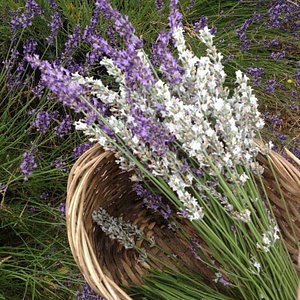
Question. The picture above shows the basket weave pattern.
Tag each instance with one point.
(96, 181)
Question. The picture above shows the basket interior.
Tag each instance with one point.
(96, 181)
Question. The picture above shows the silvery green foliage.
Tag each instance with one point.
(210, 124)
(117, 229)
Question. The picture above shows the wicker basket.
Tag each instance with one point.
(95, 180)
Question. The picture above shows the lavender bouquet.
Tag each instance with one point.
(171, 121)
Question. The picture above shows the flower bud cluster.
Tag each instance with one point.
(195, 119)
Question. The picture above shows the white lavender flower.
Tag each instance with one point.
(243, 178)
(269, 238)
(244, 216)
(256, 265)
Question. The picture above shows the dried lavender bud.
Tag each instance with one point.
(117, 229)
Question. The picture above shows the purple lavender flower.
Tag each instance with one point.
(101, 46)
(111, 33)
(191, 5)
(220, 279)
(213, 30)
(62, 209)
(127, 60)
(281, 13)
(296, 151)
(60, 82)
(175, 16)
(274, 119)
(241, 31)
(60, 164)
(90, 30)
(79, 150)
(294, 106)
(295, 94)
(28, 164)
(256, 74)
(38, 90)
(159, 4)
(18, 65)
(194, 247)
(203, 21)
(24, 19)
(152, 201)
(270, 86)
(224, 282)
(53, 4)
(297, 75)
(184, 213)
(29, 47)
(275, 43)
(14, 55)
(87, 294)
(278, 55)
(163, 55)
(151, 132)
(197, 172)
(72, 43)
(121, 25)
(281, 136)
(54, 27)
(64, 127)
(42, 121)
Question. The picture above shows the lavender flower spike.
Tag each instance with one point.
(28, 164)
(60, 82)
(175, 17)
(55, 25)
(162, 54)
(42, 121)
(121, 25)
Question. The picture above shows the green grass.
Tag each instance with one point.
(35, 259)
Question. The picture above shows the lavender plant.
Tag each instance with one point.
(163, 121)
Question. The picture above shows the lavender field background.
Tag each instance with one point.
(37, 137)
